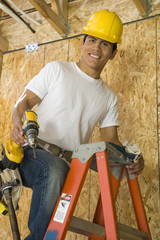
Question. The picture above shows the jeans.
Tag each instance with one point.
(45, 175)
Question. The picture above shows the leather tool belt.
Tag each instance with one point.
(60, 152)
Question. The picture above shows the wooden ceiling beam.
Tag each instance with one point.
(62, 6)
(59, 22)
(8, 9)
(143, 7)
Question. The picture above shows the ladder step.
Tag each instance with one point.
(87, 228)
(130, 233)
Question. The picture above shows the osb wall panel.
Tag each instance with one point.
(132, 76)
(1, 57)
(17, 69)
(158, 74)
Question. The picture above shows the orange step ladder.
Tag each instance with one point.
(104, 225)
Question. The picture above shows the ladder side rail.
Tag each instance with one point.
(108, 206)
(138, 205)
(116, 183)
(73, 186)
(98, 216)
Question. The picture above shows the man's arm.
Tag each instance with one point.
(26, 102)
(110, 134)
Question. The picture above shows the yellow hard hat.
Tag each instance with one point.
(105, 25)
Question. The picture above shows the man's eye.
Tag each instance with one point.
(92, 40)
(105, 44)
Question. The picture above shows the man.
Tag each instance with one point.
(71, 98)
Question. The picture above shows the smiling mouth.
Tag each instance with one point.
(94, 56)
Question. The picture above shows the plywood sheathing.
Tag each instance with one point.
(1, 57)
(132, 76)
(134, 81)
(18, 68)
(158, 78)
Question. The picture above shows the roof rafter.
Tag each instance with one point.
(59, 22)
(143, 7)
(62, 6)
(8, 9)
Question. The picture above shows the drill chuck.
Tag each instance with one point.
(31, 129)
(32, 139)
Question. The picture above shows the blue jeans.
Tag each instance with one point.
(45, 175)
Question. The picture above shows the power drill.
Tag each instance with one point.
(12, 154)
(31, 129)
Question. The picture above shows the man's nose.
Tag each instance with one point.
(97, 46)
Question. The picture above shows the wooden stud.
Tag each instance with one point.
(142, 6)
(62, 6)
(58, 23)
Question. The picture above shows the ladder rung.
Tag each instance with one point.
(87, 228)
(130, 233)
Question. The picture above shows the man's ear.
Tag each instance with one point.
(114, 54)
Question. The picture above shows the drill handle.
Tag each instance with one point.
(12, 155)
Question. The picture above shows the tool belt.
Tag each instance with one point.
(7, 177)
(60, 152)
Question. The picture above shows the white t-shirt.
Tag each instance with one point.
(72, 103)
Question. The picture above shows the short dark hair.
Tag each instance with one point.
(114, 47)
(84, 38)
(114, 44)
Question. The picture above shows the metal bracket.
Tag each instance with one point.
(85, 151)
(31, 47)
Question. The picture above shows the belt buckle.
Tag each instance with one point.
(62, 152)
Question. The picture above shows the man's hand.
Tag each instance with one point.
(137, 167)
(17, 134)
(26, 102)
(109, 134)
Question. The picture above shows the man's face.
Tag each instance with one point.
(96, 52)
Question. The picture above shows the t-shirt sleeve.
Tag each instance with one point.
(41, 82)
(111, 117)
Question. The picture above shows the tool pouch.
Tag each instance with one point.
(129, 150)
(132, 149)
(7, 177)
